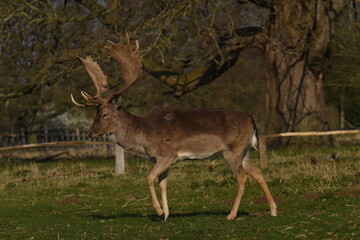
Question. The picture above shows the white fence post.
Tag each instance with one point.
(77, 133)
(119, 160)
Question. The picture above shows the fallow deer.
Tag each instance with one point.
(170, 134)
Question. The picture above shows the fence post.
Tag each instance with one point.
(262, 149)
(119, 160)
(45, 138)
(22, 132)
(77, 133)
(46, 134)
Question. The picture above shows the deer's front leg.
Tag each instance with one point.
(155, 201)
(162, 184)
(160, 167)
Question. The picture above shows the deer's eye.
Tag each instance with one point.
(104, 116)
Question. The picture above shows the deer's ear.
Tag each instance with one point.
(115, 101)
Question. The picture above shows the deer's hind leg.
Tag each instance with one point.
(234, 161)
(255, 173)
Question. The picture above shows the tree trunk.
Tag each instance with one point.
(298, 36)
(295, 98)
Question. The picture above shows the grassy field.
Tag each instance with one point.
(317, 197)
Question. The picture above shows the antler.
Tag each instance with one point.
(129, 62)
(99, 79)
(96, 74)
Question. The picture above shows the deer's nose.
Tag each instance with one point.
(91, 133)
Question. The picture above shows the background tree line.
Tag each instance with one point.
(281, 61)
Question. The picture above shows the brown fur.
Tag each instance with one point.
(166, 135)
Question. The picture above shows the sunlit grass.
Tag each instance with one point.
(318, 198)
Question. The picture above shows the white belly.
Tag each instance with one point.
(190, 155)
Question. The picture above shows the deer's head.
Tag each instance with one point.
(107, 103)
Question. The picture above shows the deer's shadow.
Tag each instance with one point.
(156, 218)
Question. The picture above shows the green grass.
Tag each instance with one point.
(314, 201)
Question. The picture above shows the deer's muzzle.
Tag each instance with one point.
(91, 133)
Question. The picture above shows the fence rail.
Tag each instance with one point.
(22, 136)
(58, 138)
(53, 144)
(119, 151)
(82, 139)
(262, 140)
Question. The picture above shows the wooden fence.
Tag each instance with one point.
(262, 140)
(22, 136)
(45, 138)
(119, 151)
(78, 139)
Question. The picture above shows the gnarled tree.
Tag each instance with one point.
(294, 37)
(187, 45)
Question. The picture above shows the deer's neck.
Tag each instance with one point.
(127, 131)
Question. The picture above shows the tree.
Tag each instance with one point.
(186, 44)
(47, 36)
(294, 37)
(299, 33)
(38, 51)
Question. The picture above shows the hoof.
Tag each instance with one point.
(231, 217)
(159, 212)
(164, 217)
(273, 214)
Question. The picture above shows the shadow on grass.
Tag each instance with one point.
(156, 218)
(100, 216)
